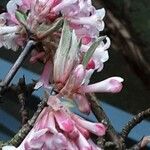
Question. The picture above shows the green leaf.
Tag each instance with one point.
(21, 17)
(63, 48)
(73, 51)
(91, 50)
(65, 41)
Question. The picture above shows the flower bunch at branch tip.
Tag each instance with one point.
(71, 47)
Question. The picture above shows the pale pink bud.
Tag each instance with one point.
(112, 85)
(96, 128)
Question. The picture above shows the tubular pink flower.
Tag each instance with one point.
(97, 128)
(94, 20)
(112, 85)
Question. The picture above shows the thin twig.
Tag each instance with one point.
(21, 92)
(17, 65)
(132, 123)
(23, 109)
(111, 134)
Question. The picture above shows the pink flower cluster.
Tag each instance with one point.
(71, 77)
(83, 17)
(68, 67)
(76, 87)
(58, 128)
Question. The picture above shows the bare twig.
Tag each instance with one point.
(16, 65)
(132, 123)
(21, 92)
(114, 140)
(23, 109)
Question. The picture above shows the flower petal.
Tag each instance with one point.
(96, 128)
(45, 77)
(112, 85)
(64, 121)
